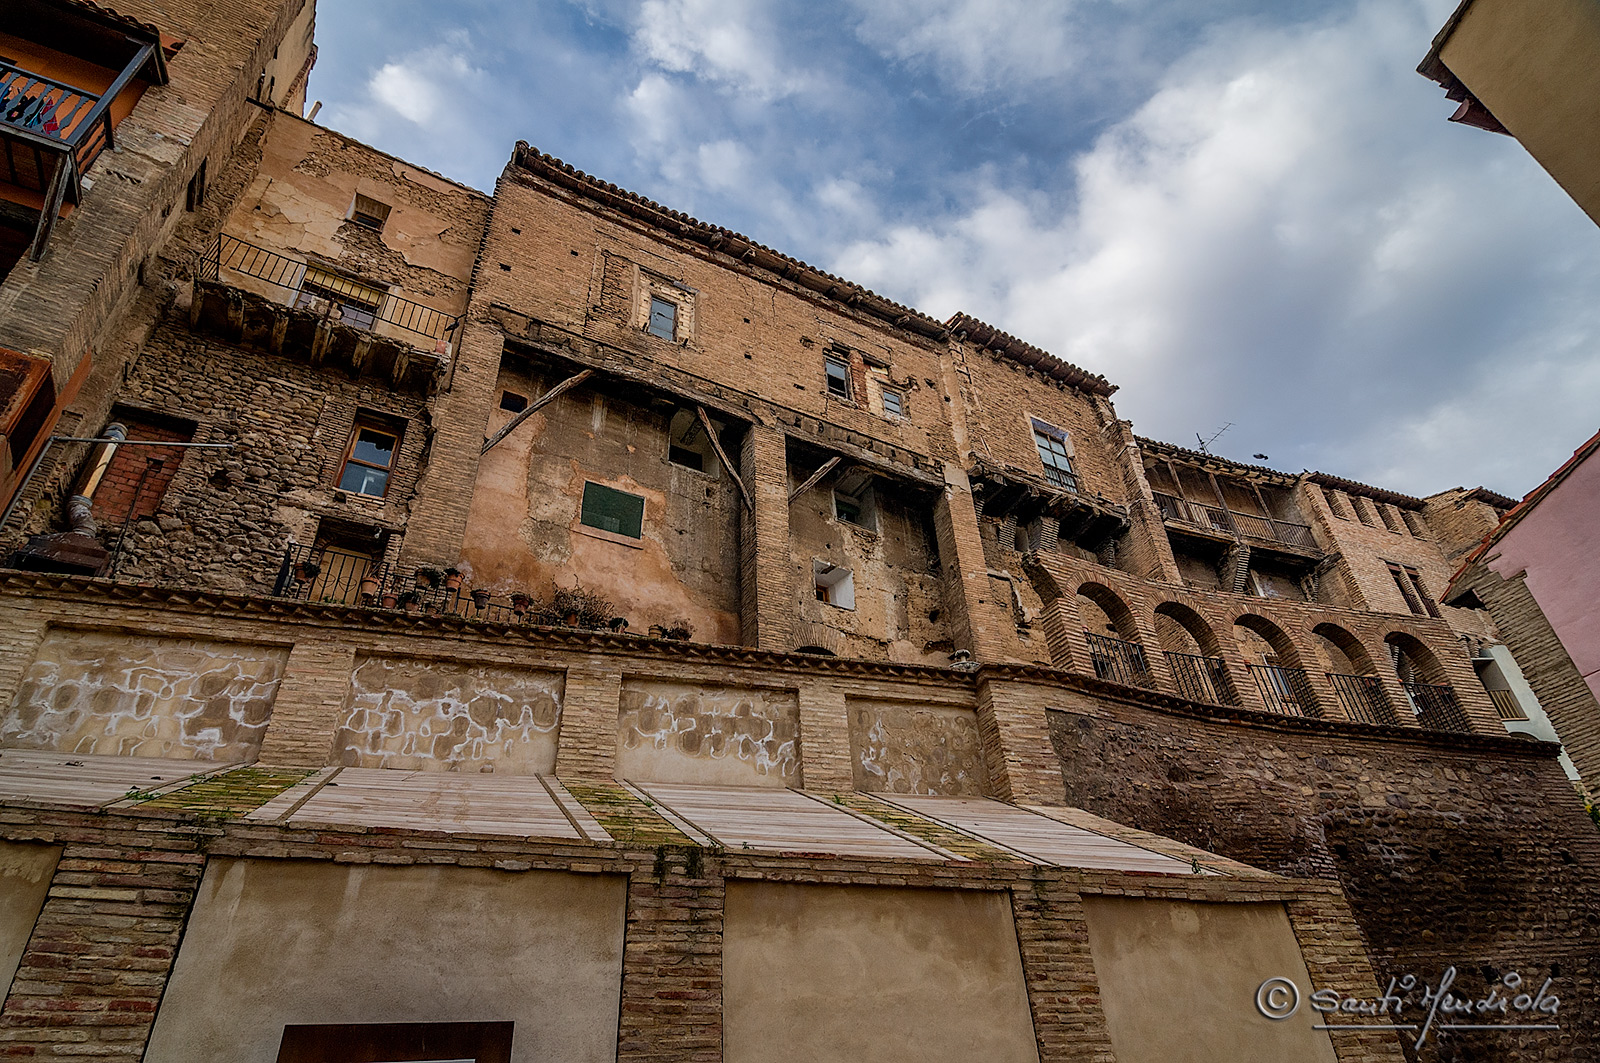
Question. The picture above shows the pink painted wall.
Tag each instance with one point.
(1558, 544)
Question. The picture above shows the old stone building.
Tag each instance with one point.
(544, 625)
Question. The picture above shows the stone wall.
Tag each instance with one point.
(916, 749)
(679, 732)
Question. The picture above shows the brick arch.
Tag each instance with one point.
(1198, 680)
(1358, 660)
(1198, 628)
(1416, 658)
(1287, 692)
(1093, 598)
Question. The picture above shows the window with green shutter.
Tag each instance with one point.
(612, 511)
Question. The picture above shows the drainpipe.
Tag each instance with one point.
(79, 515)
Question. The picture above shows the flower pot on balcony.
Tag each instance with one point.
(520, 603)
(480, 600)
(411, 602)
(389, 600)
(428, 578)
(369, 586)
(452, 580)
(619, 625)
(306, 571)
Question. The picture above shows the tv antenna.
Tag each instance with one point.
(1205, 444)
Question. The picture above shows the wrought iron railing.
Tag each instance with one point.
(1233, 522)
(328, 574)
(1201, 678)
(1119, 660)
(1285, 690)
(242, 257)
(54, 111)
(1437, 707)
(1362, 698)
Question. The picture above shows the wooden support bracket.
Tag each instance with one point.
(536, 405)
(716, 444)
(812, 480)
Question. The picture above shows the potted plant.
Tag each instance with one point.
(428, 578)
(306, 571)
(452, 579)
(521, 602)
(390, 599)
(480, 599)
(369, 586)
(619, 625)
(411, 601)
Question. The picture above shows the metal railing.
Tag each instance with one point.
(341, 577)
(1234, 523)
(1119, 660)
(53, 110)
(1201, 678)
(240, 256)
(1437, 708)
(1362, 698)
(1285, 690)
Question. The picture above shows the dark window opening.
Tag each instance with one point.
(368, 460)
(399, 1042)
(369, 213)
(838, 371)
(663, 318)
(894, 403)
(195, 197)
(510, 400)
(689, 459)
(687, 442)
(610, 510)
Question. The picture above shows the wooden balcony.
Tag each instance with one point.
(1218, 521)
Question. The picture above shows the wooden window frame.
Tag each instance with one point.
(369, 424)
(650, 317)
(362, 212)
(1048, 440)
(842, 361)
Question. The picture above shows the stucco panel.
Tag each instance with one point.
(730, 736)
(916, 749)
(129, 695)
(273, 943)
(25, 872)
(859, 972)
(445, 716)
(1178, 981)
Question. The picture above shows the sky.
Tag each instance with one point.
(1246, 213)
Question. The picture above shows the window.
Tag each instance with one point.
(1409, 583)
(894, 400)
(195, 197)
(369, 213)
(439, 1042)
(687, 442)
(512, 402)
(358, 303)
(834, 584)
(612, 511)
(663, 318)
(1052, 444)
(853, 501)
(369, 459)
(1422, 592)
(838, 371)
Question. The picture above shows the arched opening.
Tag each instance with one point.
(1426, 683)
(1194, 655)
(1274, 663)
(1352, 675)
(1113, 637)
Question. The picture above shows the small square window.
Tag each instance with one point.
(663, 318)
(1053, 455)
(510, 400)
(834, 584)
(369, 213)
(610, 510)
(894, 403)
(368, 460)
(838, 371)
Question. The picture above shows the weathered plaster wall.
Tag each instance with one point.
(524, 531)
(891, 975)
(1176, 981)
(125, 695)
(916, 749)
(25, 871)
(683, 732)
(325, 943)
(446, 716)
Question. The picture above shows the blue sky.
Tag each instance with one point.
(1246, 211)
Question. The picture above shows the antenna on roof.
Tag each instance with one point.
(1205, 444)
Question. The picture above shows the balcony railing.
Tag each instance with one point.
(1437, 708)
(1362, 698)
(1119, 660)
(1285, 690)
(1234, 523)
(1201, 678)
(281, 271)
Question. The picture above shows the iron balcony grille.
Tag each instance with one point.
(1201, 678)
(1362, 698)
(53, 111)
(281, 271)
(1245, 524)
(1437, 708)
(1285, 690)
(1067, 481)
(1119, 661)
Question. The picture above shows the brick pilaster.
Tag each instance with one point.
(1017, 752)
(1336, 958)
(977, 622)
(1063, 992)
(672, 964)
(826, 762)
(766, 584)
(102, 950)
(587, 748)
(311, 697)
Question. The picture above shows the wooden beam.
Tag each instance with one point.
(811, 481)
(716, 444)
(535, 406)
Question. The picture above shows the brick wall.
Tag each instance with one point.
(133, 486)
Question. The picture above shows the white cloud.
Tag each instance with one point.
(429, 87)
(734, 42)
(1288, 235)
(977, 44)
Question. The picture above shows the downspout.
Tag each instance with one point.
(80, 518)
